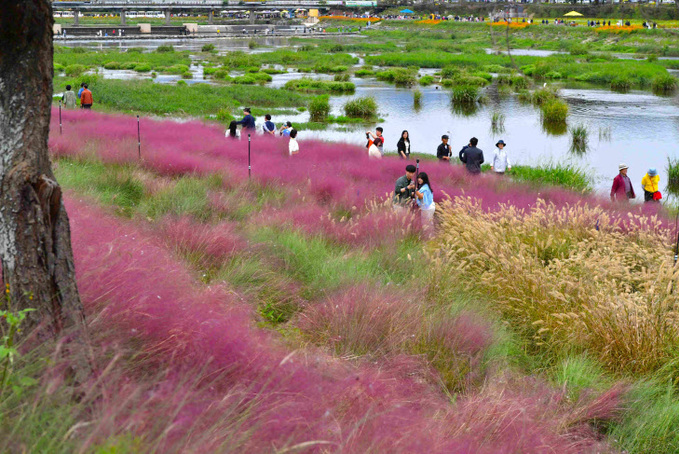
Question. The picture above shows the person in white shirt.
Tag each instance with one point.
(374, 150)
(293, 146)
(500, 163)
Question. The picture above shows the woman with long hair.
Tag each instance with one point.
(424, 196)
(403, 145)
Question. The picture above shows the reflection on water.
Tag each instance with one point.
(193, 44)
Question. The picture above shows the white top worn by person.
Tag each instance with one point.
(293, 146)
(374, 150)
(500, 162)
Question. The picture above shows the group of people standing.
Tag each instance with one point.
(248, 125)
(622, 189)
(70, 99)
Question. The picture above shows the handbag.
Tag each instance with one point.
(657, 195)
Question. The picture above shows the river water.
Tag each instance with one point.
(637, 128)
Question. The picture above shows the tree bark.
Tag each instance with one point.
(35, 238)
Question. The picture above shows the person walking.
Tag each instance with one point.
(472, 156)
(248, 121)
(424, 196)
(269, 127)
(86, 100)
(443, 152)
(403, 145)
(80, 90)
(293, 146)
(622, 190)
(374, 149)
(650, 184)
(69, 99)
(500, 163)
(405, 188)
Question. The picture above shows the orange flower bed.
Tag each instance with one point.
(511, 24)
(356, 19)
(429, 21)
(618, 29)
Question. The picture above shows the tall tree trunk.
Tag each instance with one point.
(35, 238)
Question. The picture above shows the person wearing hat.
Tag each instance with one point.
(622, 189)
(650, 184)
(405, 188)
(443, 152)
(248, 121)
(500, 162)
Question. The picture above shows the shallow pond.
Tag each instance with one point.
(637, 128)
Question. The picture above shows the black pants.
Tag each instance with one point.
(87, 106)
(648, 196)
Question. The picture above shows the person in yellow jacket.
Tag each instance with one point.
(650, 184)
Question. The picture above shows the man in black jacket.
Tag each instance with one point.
(443, 152)
(472, 157)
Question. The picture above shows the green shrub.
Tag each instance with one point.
(252, 78)
(341, 78)
(542, 96)
(75, 70)
(252, 69)
(112, 65)
(221, 74)
(165, 49)
(426, 80)
(130, 65)
(621, 83)
(504, 79)
(498, 69)
(181, 83)
(552, 75)
(554, 111)
(361, 108)
(465, 94)
(652, 58)
(450, 72)
(319, 108)
(673, 176)
(208, 48)
(58, 68)
(364, 73)
(519, 82)
(417, 98)
(306, 85)
(398, 76)
(223, 115)
(664, 83)
(142, 68)
(578, 49)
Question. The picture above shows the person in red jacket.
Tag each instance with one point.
(86, 98)
(622, 189)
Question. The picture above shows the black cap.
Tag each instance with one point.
(411, 168)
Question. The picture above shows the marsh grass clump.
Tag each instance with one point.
(365, 107)
(208, 47)
(554, 111)
(605, 133)
(497, 123)
(664, 83)
(164, 49)
(543, 95)
(465, 94)
(404, 77)
(579, 139)
(673, 176)
(621, 83)
(319, 108)
(426, 80)
(417, 98)
(307, 85)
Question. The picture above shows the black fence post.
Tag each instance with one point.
(61, 129)
(138, 138)
(249, 162)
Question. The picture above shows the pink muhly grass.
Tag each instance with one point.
(363, 321)
(208, 245)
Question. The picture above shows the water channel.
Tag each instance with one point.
(637, 128)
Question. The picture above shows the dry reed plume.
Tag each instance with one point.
(573, 277)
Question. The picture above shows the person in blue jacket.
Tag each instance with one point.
(248, 121)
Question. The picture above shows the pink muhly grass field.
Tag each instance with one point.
(210, 380)
(331, 174)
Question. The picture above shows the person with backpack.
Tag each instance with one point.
(269, 127)
(472, 157)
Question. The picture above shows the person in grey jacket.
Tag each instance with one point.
(472, 156)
